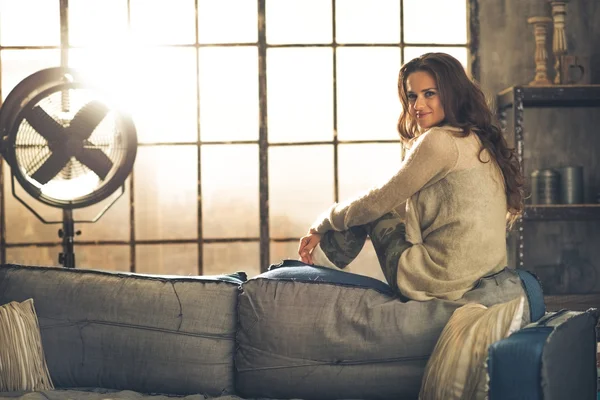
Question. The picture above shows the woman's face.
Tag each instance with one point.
(425, 104)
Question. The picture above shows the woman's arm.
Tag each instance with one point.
(431, 158)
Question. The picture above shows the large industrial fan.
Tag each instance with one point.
(66, 145)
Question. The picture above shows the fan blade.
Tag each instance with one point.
(52, 166)
(45, 125)
(87, 119)
(37, 160)
(96, 160)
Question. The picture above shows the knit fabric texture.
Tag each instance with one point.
(454, 202)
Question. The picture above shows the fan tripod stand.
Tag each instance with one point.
(54, 127)
(67, 234)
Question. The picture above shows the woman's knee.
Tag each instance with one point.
(341, 248)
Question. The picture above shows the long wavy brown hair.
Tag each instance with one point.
(465, 107)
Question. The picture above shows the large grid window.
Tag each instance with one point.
(252, 118)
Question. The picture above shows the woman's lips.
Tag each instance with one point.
(422, 115)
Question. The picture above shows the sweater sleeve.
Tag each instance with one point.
(433, 155)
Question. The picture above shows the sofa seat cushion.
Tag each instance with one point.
(152, 334)
(312, 332)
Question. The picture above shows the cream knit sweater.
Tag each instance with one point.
(454, 207)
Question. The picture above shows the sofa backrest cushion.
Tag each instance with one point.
(138, 332)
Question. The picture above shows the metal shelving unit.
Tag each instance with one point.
(562, 212)
(550, 96)
(515, 100)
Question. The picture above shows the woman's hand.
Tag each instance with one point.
(307, 245)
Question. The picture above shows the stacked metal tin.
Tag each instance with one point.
(557, 186)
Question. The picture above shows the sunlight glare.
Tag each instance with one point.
(29, 23)
(19, 64)
(163, 21)
(156, 86)
(72, 188)
(298, 21)
(97, 22)
(227, 21)
(435, 21)
(97, 68)
(229, 93)
(368, 105)
(300, 94)
(382, 18)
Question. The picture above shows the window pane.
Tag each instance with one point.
(446, 21)
(300, 94)
(460, 53)
(104, 258)
(19, 64)
(300, 187)
(362, 166)
(230, 191)
(379, 21)
(367, 90)
(22, 226)
(89, 19)
(167, 259)
(218, 23)
(227, 258)
(298, 21)
(165, 96)
(113, 225)
(283, 250)
(157, 85)
(229, 87)
(29, 23)
(163, 21)
(166, 192)
(33, 256)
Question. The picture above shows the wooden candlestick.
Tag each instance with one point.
(541, 55)
(559, 37)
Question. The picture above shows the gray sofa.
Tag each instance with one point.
(293, 332)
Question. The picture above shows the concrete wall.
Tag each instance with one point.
(507, 44)
(553, 137)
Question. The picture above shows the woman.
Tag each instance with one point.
(439, 223)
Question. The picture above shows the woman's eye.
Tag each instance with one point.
(429, 94)
(411, 97)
